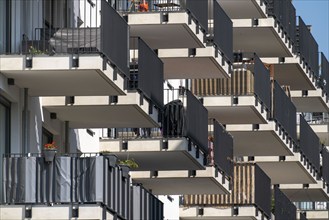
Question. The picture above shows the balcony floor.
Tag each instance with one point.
(97, 112)
(246, 112)
(264, 39)
(150, 154)
(207, 181)
(55, 76)
(265, 141)
(176, 33)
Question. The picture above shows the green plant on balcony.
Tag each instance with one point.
(129, 162)
(35, 51)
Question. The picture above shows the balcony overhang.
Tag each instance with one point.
(209, 181)
(98, 112)
(199, 64)
(317, 192)
(178, 32)
(292, 72)
(316, 214)
(248, 110)
(266, 39)
(265, 140)
(158, 153)
(237, 9)
(314, 101)
(55, 76)
(290, 170)
(322, 131)
(221, 213)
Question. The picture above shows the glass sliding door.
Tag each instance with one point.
(5, 32)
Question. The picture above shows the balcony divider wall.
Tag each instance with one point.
(251, 187)
(325, 165)
(324, 73)
(283, 207)
(309, 144)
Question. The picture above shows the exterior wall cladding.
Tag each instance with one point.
(157, 109)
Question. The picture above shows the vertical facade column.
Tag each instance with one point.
(67, 137)
(25, 121)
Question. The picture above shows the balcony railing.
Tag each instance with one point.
(312, 206)
(73, 179)
(285, 14)
(325, 165)
(146, 72)
(69, 27)
(252, 187)
(250, 77)
(197, 8)
(284, 111)
(324, 77)
(222, 148)
(307, 47)
(302, 216)
(309, 144)
(284, 208)
(223, 32)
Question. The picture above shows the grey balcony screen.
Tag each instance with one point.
(115, 37)
(262, 82)
(309, 144)
(150, 73)
(302, 216)
(284, 111)
(325, 165)
(262, 190)
(223, 32)
(199, 11)
(284, 209)
(223, 149)
(325, 73)
(307, 47)
(285, 14)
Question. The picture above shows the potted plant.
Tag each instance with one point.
(50, 151)
(126, 165)
(112, 158)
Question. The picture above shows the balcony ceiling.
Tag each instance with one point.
(103, 116)
(237, 9)
(262, 40)
(310, 104)
(305, 194)
(163, 36)
(290, 172)
(258, 143)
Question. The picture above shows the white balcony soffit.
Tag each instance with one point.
(245, 112)
(315, 101)
(55, 76)
(150, 154)
(180, 182)
(221, 213)
(300, 193)
(266, 39)
(176, 33)
(97, 112)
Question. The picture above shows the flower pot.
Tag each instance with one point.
(113, 159)
(49, 155)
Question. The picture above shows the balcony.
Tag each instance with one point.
(313, 210)
(72, 183)
(242, 99)
(283, 207)
(237, 9)
(251, 198)
(182, 144)
(59, 53)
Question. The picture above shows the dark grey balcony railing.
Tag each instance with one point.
(70, 27)
(324, 77)
(285, 14)
(197, 8)
(66, 180)
(146, 73)
(284, 208)
(307, 47)
(284, 111)
(186, 118)
(145, 205)
(251, 187)
(309, 144)
(223, 32)
(223, 149)
(325, 165)
(302, 216)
